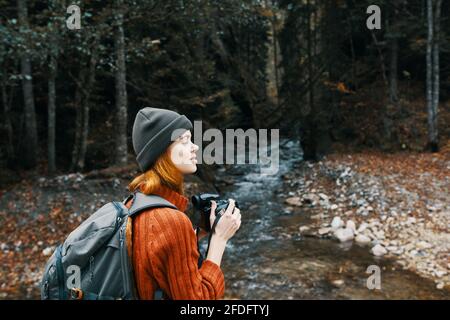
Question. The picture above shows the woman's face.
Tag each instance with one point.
(182, 153)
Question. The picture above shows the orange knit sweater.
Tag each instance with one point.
(165, 254)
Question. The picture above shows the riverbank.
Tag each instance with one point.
(396, 205)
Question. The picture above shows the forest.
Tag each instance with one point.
(358, 89)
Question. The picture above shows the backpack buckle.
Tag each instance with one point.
(76, 294)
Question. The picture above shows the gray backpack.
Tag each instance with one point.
(93, 261)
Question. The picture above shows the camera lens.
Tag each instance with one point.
(196, 201)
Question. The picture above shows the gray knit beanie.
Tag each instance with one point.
(153, 131)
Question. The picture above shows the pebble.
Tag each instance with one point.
(423, 245)
(311, 198)
(411, 220)
(47, 251)
(323, 196)
(338, 283)
(294, 201)
(351, 225)
(363, 226)
(323, 231)
(344, 235)
(378, 250)
(379, 234)
(303, 229)
(362, 211)
(360, 202)
(360, 238)
(440, 273)
(337, 223)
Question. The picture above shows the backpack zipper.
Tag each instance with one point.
(123, 261)
(123, 253)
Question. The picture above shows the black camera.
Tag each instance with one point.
(202, 203)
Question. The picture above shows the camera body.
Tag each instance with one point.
(202, 203)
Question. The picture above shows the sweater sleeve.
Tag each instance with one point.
(177, 261)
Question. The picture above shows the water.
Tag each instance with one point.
(268, 259)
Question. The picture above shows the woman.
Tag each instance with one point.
(163, 241)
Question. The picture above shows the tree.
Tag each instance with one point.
(53, 52)
(84, 83)
(393, 66)
(7, 102)
(432, 75)
(30, 154)
(53, 70)
(6, 64)
(121, 88)
(273, 56)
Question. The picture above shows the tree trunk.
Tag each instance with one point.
(381, 57)
(7, 120)
(85, 85)
(432, 129)
(434, 145)
(78, 119)
(309, 138)
(30, 152)
(393, 73)
(53, 72)
(212, 19)
(78, 122)
(86, 107)
(310, 60)
(53, 67)
(352, 51)
(272, 61)
(121, 90)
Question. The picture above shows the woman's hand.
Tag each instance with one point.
(227, 226)
(229, 223)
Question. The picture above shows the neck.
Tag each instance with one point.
(176, 184)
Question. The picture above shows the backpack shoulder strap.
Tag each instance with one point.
(142, 202)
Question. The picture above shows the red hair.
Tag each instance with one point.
(163, 172)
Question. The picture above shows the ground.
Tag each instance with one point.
(398, 201)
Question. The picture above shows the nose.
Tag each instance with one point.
(195, 147)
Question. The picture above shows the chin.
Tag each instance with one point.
(189, 169)
(193, 169)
